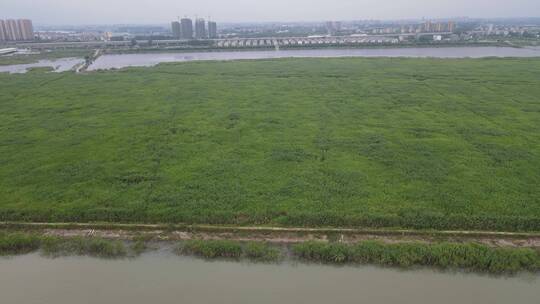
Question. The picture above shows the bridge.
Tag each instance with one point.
(274, 42)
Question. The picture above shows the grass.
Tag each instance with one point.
(348, 142)
(469, 256)
(46, 54)
(95, 247)
(466, 256)
(17, 243)
(211, 249)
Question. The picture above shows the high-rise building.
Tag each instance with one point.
(451, 26)
(16, 30)
(330, 29)
(200, 29)
(427, 26)
(12, 30)
(176, 30)
(212, 30)
(26, 29)
(186, 28)
(3, 35)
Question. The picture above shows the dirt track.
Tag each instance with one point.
(275, 234)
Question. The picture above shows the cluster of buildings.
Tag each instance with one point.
(306, 41)
(184, 29)
(16, 30)
(426, 27)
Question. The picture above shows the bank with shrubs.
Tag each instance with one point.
(442, 255)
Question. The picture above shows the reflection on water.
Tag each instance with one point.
(125, 60)
(165, 278)
(59, 65)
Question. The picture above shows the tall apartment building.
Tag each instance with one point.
(12, 30)
(176, 29)
(16, 30)
(428, 26)
(330, 28)
(451, 26)
(212, 30)
(186, 28)
(26, 28)
(3, 34)
(200, 29)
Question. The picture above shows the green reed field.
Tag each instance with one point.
(406, 143)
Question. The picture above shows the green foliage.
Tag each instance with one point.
(96, 247)
(17, 243)
(469, 256)
(211, 248)
(386, 142)
(259, 251)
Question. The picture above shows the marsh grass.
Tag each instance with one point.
(459, 256)
(467, 256)
(259, 251)
(95, 247)
(211, 249)
(18, 243)
(447, 144)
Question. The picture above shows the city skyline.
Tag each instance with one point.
(161, 11)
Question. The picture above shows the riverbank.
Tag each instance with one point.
(402, 254)
(17, 59)
(273, 234)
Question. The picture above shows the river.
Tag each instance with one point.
(160, 277)
(151, 59)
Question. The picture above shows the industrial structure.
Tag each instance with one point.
(16, 30)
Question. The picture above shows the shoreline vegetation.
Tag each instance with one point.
(407, 255)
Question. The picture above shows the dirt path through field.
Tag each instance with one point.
(274, 234)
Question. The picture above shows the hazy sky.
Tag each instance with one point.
(161, 11)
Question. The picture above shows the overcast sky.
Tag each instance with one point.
(161, 11)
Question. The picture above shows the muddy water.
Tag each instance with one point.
(165, 278)
(150, 59)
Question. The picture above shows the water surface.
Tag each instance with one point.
(165, 278)
(151, 59)
(59, 65)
